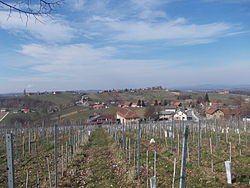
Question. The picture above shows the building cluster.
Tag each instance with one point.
(123, 115)
(227, 112)
(177, 110)
(175, 113)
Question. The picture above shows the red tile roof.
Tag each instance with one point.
(126, 113)
(212, 110)
(227, 111)
(98, 106)
(177, 104)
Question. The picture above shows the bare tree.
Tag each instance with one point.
(28, 8)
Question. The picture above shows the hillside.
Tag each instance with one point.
(147, 95)
(64, 104)
(58, 99)
(151, 95)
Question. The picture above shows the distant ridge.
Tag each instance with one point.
(213, 87)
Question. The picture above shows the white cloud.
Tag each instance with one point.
(84, 63)
(83, 66)
(50, 30)
(177, 31)
(149, 14)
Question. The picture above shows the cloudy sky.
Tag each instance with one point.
(105, 44)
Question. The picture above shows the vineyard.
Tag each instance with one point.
(155, 154)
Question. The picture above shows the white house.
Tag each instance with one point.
(180, 115)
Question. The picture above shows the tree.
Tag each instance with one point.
(150, 113)
(206, 98)
(28, 8)
(139, 103)
(142, 103)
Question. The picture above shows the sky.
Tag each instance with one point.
(106, 44)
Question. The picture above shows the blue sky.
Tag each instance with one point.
(105, 44)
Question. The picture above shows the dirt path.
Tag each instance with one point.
(99, 165)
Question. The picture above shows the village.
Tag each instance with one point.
(183, 107)
(135, 107)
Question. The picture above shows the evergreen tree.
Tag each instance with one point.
(142, 103)
(139, 103)
(206, 98)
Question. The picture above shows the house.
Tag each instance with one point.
(125, 115)
(102, 119)
(214, 113)
(25, 110)
(191, 115)
(227, 113)
(134, 105)
(168, 113)
(180, 115)
(165, 115)
(98, 106)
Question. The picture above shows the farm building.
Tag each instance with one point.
(166, 115)
(127, 116)
(102, 119)
(214, 113)
(223, 113)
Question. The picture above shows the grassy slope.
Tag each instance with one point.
(64, 98)
(134, 97)
(85, 114)
(161, 95)
(228, 99)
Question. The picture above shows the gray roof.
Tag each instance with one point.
(170, 107)
(166, 112)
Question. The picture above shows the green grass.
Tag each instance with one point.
(151, 95)
(58, 99)
(228, 99)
